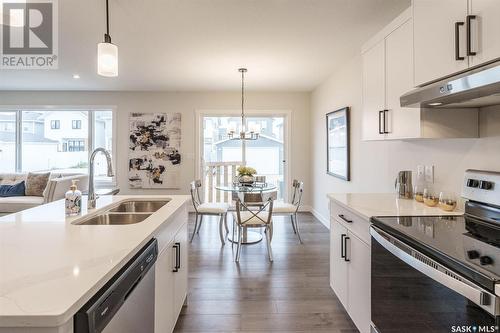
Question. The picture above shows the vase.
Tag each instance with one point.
(246, 180)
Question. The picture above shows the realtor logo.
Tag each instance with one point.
(29, 34)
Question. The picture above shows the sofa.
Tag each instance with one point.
(57, 185)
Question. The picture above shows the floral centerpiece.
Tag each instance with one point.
(246, 175)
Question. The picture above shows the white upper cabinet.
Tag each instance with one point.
(440, 38)
(454, 35)
(373, 92)
(485, 30)
(400, 123)
(388, 73)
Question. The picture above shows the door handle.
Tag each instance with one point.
(344, 218)
(178, 260)
(469, 35)
(345, 248)
(342, 252)
(385, 121)
(457, 41)
(379, 121)
(177, 249)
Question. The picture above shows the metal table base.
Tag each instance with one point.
(249, 237)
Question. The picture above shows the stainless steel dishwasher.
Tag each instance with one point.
(126, 303)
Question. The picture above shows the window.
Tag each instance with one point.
(8, 142)
(42, 148)
(55, 124)
(74, 145)
(76, 124)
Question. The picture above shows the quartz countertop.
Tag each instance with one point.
(386, 204)
(50, 267)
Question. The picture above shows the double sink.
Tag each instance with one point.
(126, 212)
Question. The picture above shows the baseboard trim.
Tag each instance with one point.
(321, 218)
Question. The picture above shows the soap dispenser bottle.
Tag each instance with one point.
(73, 200)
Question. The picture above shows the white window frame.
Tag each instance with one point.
(88, 108)
(287, 117)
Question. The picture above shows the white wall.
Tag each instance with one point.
(186, 103)
(374, 165)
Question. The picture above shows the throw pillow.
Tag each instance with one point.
(15, 190)
(36, 183)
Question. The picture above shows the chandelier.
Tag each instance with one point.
(243, 135)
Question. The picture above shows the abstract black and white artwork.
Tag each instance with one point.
(154, 150)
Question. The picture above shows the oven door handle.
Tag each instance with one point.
(434, 270)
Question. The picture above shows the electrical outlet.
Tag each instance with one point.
(429, 174)
(420, 173)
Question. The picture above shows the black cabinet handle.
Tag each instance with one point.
(177, 248)
(342, 252)
(345, 248)
(469, 35)
(385, 122)
(345, 218)
(379, 121)
(457, 41)
(178, 259)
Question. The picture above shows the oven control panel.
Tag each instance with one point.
(481, 254)
(482, 186)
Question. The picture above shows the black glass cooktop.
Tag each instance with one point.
(465, 244)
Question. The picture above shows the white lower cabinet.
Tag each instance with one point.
(350, 272)
(338, 266)
(358, 254)
(171, 281)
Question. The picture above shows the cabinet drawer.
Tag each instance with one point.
(353, 222)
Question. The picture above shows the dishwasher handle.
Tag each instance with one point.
(439, 273)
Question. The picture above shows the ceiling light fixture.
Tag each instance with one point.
(76, 76)
(243, 135)
(435, 104)
(107, 53)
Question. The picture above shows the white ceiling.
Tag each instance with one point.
(197, 45)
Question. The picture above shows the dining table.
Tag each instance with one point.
(248, 237)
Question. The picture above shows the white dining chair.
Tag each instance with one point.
(246, 218)
(291, 209)
(208, 209)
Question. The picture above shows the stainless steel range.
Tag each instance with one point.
(440, 273)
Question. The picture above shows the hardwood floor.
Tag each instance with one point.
(292, 294)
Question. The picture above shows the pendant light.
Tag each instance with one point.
(243, 135)
(107, 53)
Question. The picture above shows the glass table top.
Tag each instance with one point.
(246, 188)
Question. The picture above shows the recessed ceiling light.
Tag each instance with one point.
(435, 104)
(76, 76)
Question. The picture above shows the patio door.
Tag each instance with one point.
(220, 156)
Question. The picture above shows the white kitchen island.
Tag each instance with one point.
(50, 266)
(350, 242)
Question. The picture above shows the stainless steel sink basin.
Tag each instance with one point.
(114, 219)
(142, 206)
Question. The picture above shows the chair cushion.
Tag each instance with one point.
(283, 208)
(16, 204)
(15, 190)
(249, 219)
(213, 208)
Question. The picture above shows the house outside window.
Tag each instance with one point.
(76, 124)
(48, 141)
(55, 124)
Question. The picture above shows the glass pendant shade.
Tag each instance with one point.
(107, 59)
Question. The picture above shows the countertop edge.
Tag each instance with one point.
(57, 320)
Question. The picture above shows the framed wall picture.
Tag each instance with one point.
(337, 143)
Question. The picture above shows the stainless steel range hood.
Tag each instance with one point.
(475, 88)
